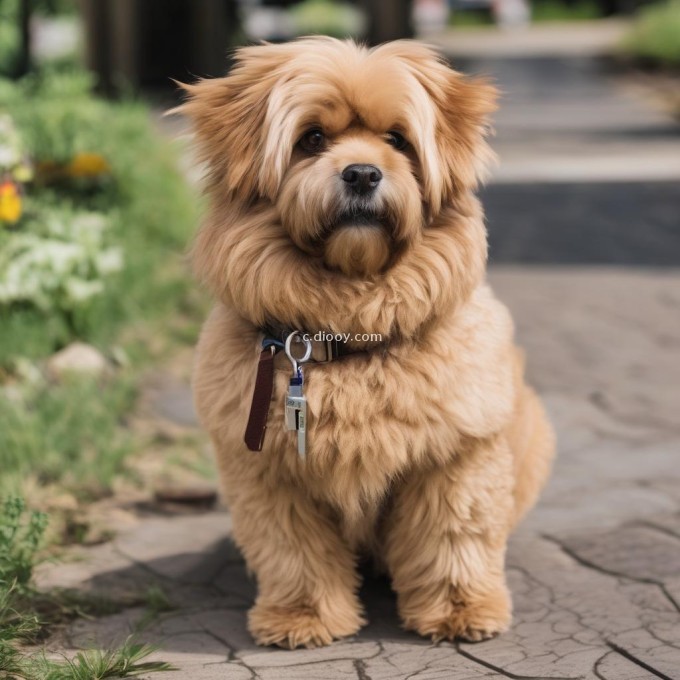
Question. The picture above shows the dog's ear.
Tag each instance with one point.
(454, 154)
(230, 121)
(463, 120)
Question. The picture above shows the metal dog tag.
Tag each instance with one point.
(296, 404)
(296, 412)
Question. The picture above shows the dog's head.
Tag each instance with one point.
(349, 154)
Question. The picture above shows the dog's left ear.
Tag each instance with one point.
(456, 157)
(463, 120)
(230, 117)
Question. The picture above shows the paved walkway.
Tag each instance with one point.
(566, 113)
(594, 570)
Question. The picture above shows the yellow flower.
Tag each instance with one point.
(87, 165)
(10, 202)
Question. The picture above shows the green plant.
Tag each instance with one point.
(125, 662)
(56, 114)
(56, 7)
(14, 628)
(21, 534)
(13, 161)
(9, 36)
(20, 540)
(149, 209)
(65, 434)
(559, 10)
(338, 19)
(58, 262)
(655, 35)
(470, 18)
(541, 11)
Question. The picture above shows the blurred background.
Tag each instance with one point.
(99, 197)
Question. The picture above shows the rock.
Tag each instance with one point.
(78, 357)
(199, 496)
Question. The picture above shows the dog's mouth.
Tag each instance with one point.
(359, 218)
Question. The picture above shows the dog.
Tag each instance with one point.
(342, 183)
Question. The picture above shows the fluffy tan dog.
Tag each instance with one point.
(341, 184)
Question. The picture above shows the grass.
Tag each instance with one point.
(14, 629)
(19, 543)
(655, 36)
(71, 435)
(23, 620)
(125, 662)
(67, 435)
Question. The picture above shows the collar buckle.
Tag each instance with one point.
(331, 347)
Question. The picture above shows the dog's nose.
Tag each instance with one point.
(361, 178)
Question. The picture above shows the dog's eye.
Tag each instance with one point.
(397, 140)
(313, 141)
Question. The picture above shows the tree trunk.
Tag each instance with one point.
(23, 63)
(388, 20)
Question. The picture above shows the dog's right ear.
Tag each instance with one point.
(230, 120)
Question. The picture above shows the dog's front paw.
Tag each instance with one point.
(300, 626)
(471, 618)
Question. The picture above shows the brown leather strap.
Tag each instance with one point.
(262, 396)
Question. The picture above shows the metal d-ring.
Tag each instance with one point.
(297, 362)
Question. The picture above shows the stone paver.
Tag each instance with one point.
(594, 571)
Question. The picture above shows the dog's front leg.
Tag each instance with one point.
(446, 538)
(306, 574)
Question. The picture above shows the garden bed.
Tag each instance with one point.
(94, 221)
(95, 295)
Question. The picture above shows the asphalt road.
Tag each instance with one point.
(577, 119)
(614, 223)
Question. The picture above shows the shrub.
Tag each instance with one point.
(107, 196)
(58, 262)
(655, 36)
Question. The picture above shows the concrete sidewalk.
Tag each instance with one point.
(566, 112)
(548, 39)
(594, 571)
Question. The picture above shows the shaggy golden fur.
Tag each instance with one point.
(423, 451)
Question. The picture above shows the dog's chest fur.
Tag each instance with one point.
(371, 419)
